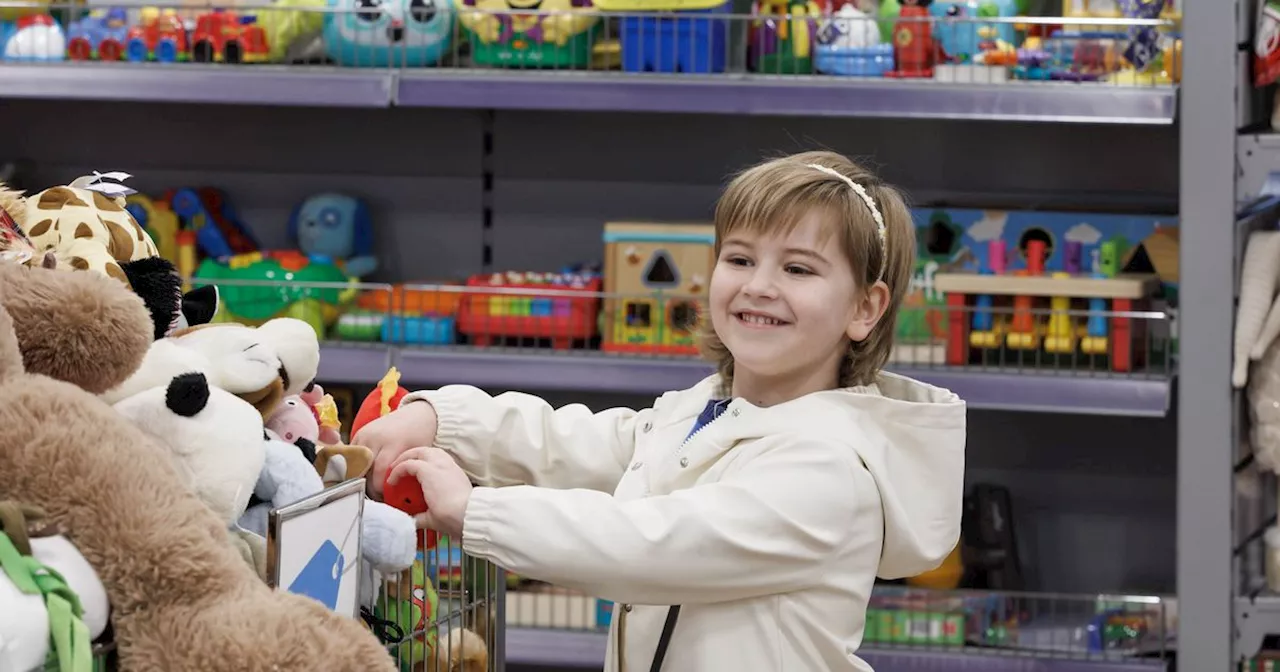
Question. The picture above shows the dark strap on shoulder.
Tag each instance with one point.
(665, 640)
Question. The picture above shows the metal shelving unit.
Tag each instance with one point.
(1208, 189)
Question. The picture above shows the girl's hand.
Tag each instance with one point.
(413, 424)
(445, 488)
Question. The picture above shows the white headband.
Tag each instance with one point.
(871, 205)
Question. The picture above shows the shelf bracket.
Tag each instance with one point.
(1255, 619)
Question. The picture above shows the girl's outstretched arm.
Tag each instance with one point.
(769, 527)
(516, 438)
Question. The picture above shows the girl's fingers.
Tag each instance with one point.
(414, 468)
(419, 453)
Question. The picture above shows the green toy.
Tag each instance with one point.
(415, 614)
(287, 286)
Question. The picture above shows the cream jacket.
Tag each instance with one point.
(769, 525)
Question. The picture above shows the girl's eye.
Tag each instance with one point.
(799, 270)
(737, 261)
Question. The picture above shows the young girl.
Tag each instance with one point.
(765, 500)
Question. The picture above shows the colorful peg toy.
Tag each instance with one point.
(406, 495)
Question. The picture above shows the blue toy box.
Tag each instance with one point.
(687, 41)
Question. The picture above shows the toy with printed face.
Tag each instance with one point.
(382, 33)
(500, 21)
(335, 228)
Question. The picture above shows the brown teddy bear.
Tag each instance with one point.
(181, 598)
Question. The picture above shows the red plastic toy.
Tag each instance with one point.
(407, 494)
(915, 52)
(223, 36)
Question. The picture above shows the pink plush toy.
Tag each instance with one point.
(311, 416)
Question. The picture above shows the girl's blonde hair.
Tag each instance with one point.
(771, 198)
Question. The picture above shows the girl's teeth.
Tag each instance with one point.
(758, 319)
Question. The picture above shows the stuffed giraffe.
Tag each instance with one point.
(86, 228)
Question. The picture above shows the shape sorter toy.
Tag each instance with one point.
(655, 276)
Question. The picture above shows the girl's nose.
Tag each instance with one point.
(761, 284)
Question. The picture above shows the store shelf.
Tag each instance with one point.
(203, 83)
(586, 650)
(786, 95)
(1064, 392)
(592, 91)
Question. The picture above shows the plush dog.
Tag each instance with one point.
(181, 598)
(214, 439)
(261, 365)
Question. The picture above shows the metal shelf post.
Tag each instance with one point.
(1205, 584)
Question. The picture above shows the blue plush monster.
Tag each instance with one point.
(385, 33)
(335, 228)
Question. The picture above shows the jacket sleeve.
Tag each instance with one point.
(769, 527)
(516, 439)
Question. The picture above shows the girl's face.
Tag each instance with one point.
(786, 308)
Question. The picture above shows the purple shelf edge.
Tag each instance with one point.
(807, 96)
(203, 83)
(1062, 393)
(532, 646)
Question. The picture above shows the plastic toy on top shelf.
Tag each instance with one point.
(523, 34)
(689, 36)
(848, 44)
(781, 39)
(100, 35)
(159, 36)
(225, 36)
(33, 38)
(655, 276)
(378, 34)
(915, 50)
(559, 307)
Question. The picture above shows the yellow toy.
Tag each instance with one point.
(655, 276)
(159, 221)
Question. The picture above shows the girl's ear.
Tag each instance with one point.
(868, 311)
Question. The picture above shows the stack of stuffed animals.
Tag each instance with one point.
(144, 446)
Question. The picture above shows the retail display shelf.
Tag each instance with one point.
(202, 83)
(786, 95)
(586, 650)
(600, 372)
(592, 91)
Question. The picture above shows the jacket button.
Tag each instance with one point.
(626, 607)
(636, 465)
(684, 461)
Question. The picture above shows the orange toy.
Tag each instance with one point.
(407, 494)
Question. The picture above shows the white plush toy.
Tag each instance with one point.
(258, 364)
(214, 437)
(24, 619)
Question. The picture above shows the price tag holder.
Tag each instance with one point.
(313, 546)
